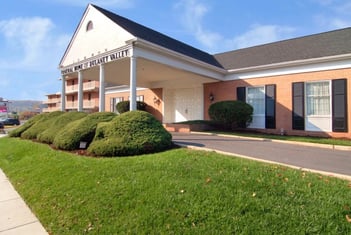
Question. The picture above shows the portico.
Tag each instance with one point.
(123, 57)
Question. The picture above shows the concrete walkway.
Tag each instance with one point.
(15, 216)
(324, 159)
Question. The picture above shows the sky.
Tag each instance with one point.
(34, 34)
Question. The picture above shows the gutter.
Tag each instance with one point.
(292, 63)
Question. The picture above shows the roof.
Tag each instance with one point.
(160, 39)
(326, 44)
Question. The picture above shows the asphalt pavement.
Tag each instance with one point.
(325, 159)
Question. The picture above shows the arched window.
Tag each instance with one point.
(89, 25)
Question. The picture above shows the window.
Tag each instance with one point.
(320, 105)
(140, 98)
(90, 26)
(312, 106)
(113, 102)
(318, 98)
(255, 96)
(263, 101)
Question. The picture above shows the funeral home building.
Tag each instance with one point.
(299, 86)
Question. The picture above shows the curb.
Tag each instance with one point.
(326, 146)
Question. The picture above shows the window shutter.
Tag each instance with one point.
(298, 120)
(270, 106)
(241, 94)
(339, 105)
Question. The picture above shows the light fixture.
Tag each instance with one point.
(157, 100)
(211, 97)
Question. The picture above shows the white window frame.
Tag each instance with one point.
(138, 98)
(318, 122)
(258, 119)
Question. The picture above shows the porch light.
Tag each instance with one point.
(157, 100)
(211, 97)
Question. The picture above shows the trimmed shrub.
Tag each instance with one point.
(231, 114)
(40, 125)
(48, 135)
(131, 133)
(30, 122)
(69, 137)
(123, 106)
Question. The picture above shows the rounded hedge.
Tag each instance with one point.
(48, 135)
(124, 106)
(82, 130)
(131, 133)
(40, 125)
(231, 113)
(30, 122)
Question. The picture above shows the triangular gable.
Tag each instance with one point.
(104, 35)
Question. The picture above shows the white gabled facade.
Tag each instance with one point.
(104, 36)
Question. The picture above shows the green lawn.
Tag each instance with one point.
(175, 192)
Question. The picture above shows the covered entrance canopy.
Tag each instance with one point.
(115, 50)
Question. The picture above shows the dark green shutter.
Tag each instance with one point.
(241, 94)
(298, 113)
(270, 106)
(339, 105)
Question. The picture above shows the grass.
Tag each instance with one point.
(175, 192)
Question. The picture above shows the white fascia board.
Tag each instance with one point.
(163, 55)
(119, 89)
(266, 71)
(95, 57)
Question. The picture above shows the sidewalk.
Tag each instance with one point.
(15, 216)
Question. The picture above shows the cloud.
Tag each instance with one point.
(261, 34)
(336, 14)
(30, 43)
(193, 13)
(103, 3)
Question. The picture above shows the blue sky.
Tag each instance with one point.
(35, 33)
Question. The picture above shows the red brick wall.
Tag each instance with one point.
(154, 105)
(227, 91)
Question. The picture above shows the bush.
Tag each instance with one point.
(18, 131)
(71, 135)
(123, 106)
(48, 135)
(231, 114)
(131, 133)
(40, 125)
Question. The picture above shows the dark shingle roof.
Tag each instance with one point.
(160, 39)
(331, 43)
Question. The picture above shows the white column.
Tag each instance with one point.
(102, 89)
(63, 94)
(132, 104)
(80, 91)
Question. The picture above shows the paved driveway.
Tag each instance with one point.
(337, 162)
